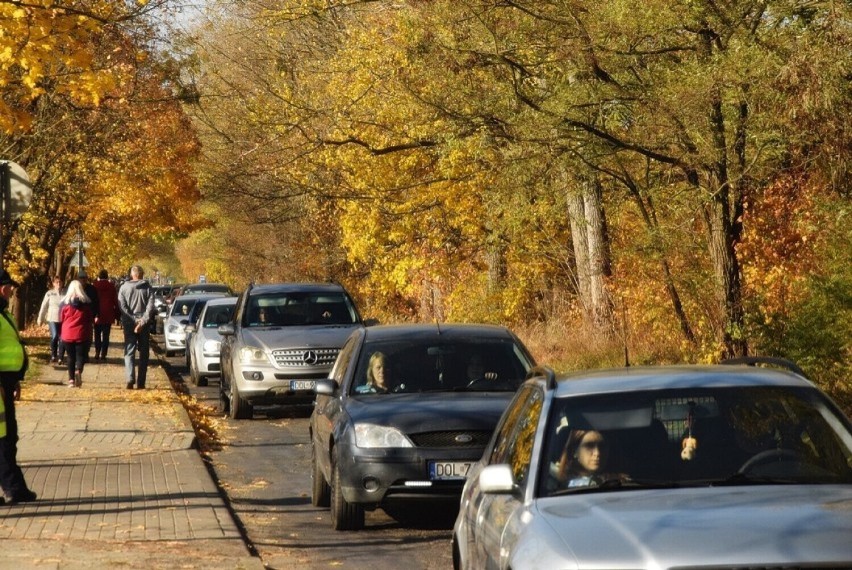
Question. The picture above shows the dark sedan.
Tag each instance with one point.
(406, 411)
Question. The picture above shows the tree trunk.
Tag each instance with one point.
(591, 253)
(599, 253)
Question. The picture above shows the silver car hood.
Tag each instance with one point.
(314, 336)
(718, 526)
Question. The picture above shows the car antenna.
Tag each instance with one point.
(438, 326)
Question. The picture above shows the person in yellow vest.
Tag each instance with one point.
(13, 366)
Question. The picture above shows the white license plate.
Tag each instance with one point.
(448, 469)
(302, 385)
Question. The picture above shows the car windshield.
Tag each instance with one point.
(439, 366)
(299, 309)
(720, 436)
(196, 310)
(217, 315)
(182, 308)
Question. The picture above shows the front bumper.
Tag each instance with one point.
(375, 477)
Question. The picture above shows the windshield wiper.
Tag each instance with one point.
(618, 483)
(745, 479)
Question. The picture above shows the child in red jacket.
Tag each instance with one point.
(77, 315)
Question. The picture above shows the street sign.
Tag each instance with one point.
(15, 179)
(75, 261)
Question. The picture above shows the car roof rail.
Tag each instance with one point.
(774, 360)
(547, 372)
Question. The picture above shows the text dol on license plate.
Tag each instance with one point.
(448, 469)
(302, 385)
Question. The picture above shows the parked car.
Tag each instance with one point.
(163, 295)
(184, 310)
(203, 339)
(406, 411)
(281, 339)
(726, 466)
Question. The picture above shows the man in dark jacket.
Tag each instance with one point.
(136, 303)
(108, 312)
(13, 358)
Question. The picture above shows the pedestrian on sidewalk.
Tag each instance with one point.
(13, 366)
(77, 319)
(136, 303)
(49, 313)
(92, 293)
(107, 313)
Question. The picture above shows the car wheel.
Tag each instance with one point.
(241, 409)
(320, 491)
(224, 402)
(344, 515)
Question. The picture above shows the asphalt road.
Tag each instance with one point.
(264, 468)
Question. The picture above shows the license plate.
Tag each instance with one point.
(448, 469)
(302, 385)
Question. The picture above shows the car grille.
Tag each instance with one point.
(461, 439)
(308, 357)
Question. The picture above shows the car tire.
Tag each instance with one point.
(241, 409)
(320, 490)
(194, 377)
(224, 402)
(344, 515)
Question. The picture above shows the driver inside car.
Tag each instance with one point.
(378, 375)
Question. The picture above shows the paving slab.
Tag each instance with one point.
(119, 481)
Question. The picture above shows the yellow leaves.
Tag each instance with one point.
(41, 46)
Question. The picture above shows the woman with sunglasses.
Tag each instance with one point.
(584, 459)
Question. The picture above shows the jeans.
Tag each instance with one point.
(102, 331)
(134, 342)
(76, 357)
(57, 349)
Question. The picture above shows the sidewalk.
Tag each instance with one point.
(118, 481)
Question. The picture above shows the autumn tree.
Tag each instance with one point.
(98, 127)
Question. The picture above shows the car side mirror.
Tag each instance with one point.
(498, 480)
(326, 387)
(226, 329)
(371, 322)
(190, 328)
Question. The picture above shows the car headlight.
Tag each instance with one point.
(175, 328)
(253, 355)
(211, 346)
(372, 435)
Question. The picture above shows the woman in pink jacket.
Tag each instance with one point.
(77, 315)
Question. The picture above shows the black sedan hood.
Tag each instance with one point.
(430, 411)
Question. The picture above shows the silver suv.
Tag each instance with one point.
(282, 338)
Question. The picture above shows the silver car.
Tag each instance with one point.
(184, 310)
(204, 340)
(726, 466)
(282, 338)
